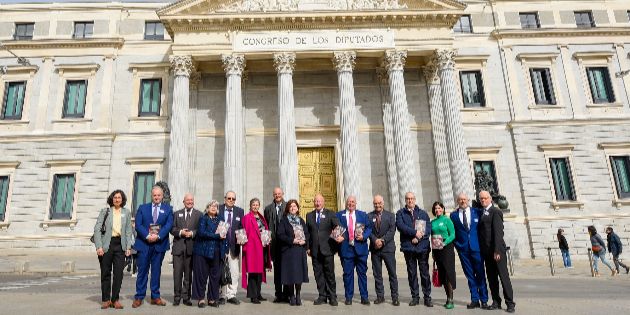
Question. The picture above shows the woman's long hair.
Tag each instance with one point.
(560, 233)
(591, 230)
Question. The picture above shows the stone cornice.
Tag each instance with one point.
(64, 43)
(560, 32)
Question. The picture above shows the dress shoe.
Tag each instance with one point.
(494, 306)
(158, 302)
(473, 305)
(201, 304)
(255, 301)
(348, 302)
(213, 304)
(333, 302)
(395, 302)
(510, 309)
(298, 300)
(105, 305)
(176, 303)
(292, 301)
(414, 302)
(379, 300)
(234, 301)
(365, 301)
(319, 301)
(222, 301)
(117, 305)
(136, 303)
(428, 303)
(278, 300)
(484, 306)
(187, 303)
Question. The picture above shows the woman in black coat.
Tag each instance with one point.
(292, 234)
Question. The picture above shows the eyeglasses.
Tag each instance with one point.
(230, 198)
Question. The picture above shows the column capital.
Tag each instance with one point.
(233, 64)
(284, 62)
(344, 60)
(195, 78)
(446, 58)
(394, 60)
(382, 76)
(182, 65)
(430, 71)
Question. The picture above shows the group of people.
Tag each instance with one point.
(214, 248)
(598, 248)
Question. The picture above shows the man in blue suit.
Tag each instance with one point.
(465, 220)
(354, 249)
(153, 223)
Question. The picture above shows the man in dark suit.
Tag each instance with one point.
(321, 248)
(274, 212)
(416, 247)
(465, 220)
(383, 248)
(353, 250)
(153, 223)
(493, 251)
(234, 216)
(184, 229)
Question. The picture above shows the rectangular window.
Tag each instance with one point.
(62, 197)
(529, 20)
(83, 29)
(472, 89)
(584, 19)
(4, 195)
(150, 97)
(562, 179)
(600, 85)
(463, 25)
(142, 184)
(486, 170)
(621, 172)
(13, 100)
(24, 31)
(542, 86)
(74, 99)
(153, 30)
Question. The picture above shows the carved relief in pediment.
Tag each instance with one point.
(309, 5)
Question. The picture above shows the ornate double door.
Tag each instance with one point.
(316, 174)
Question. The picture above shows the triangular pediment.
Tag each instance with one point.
(201, 7)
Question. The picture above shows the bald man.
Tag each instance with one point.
(184, 229)
(274, 212)
(383, 249)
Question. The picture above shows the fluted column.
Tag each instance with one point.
(438, 128)
(395, 63)
(178, 162)
(233, 166)
(344, 63)
(390, 151)
(458, 157)
(287, 159)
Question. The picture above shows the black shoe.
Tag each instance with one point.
(395, 302)
(414, 302)
(255, 301)
(379, 300)
(292, 301)
(298, 300)
(510, 309)
(176, 303)
(484, 306)
(365, 301)
(188, 303)
(473, 305)
(201, 304)
(627, 270)
(221, 301)
(494, 306)
(348, 302)
(234, 301)
(278, 300)
(213, 304)
(428, 303)
(333, 302)
(319, 301)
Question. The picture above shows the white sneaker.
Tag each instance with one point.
(134, 275)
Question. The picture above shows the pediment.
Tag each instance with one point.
(203, 7)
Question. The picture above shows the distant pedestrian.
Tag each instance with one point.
(615, 247)
(564, 249)
(599, 250)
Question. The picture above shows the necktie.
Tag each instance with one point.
(229, 220)
(350, 227)
(465, 220)
(378, 222)
(155, 213)
(187, 215)
(318, 214)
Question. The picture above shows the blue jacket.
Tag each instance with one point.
(405, 222)
(360, 248)
(614, 244)
(144, 218)
(466, 241)
(206, 240)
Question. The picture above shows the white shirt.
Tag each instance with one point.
(468, 215)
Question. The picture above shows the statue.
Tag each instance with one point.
(166, 190)
(483, 181)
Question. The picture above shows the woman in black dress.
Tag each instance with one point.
(292, 234)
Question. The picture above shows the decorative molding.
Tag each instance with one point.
(64, 43)
(577, 217)
(233, 64)
(69, 223)
(394, 60)
(446, 58)
(344, 61)
(284, 62)
(65, 163)
(13, 69)
(144, 160)
(430, 71)
(556, 205)
(569, 122)
(481, 58)
(614, 146)
(149, 66)
(9, 164)
(528, 57)
(296, 5)
(182, 65)
(594, 55)
(29, 137)
(88, 67)
(42, 237)
(604, 32)
(556, 147)
(483, 150)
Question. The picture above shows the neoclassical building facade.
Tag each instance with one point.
(338, 97)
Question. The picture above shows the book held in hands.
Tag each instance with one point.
(420, 225)
(223, 228)
(265, 237)
(437, 242)
(298, 233)
(241, 236)
(337, 231)
(154, 229)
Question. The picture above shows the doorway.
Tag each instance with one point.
(316, 174)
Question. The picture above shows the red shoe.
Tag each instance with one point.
(105, 305)
(136, 303)
(158, 302)
(117, 305)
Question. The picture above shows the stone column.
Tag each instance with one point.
(390, 151)
(287, 158)
(344, 63)
(233, 165)
(460, 167)
(195, 80)
(178, 159)
(395, 63)
(438, 129)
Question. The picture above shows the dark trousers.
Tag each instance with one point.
(114, 256)
(149, 260)
(472, 264)
(349, 264)
(378, 258)
(498, 270)
(324, 271)
(207, 271)
(281, 292)
(182, 268)
(132, 263)
(414, 262)
(618, 263)
(254, 283)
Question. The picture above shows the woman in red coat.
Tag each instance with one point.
(255, 255)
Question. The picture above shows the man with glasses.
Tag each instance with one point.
(383, 248)
(234, 216)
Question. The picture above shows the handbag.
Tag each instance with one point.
(226, 275)
(596, 248)
(436, 276)
(102, 226)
